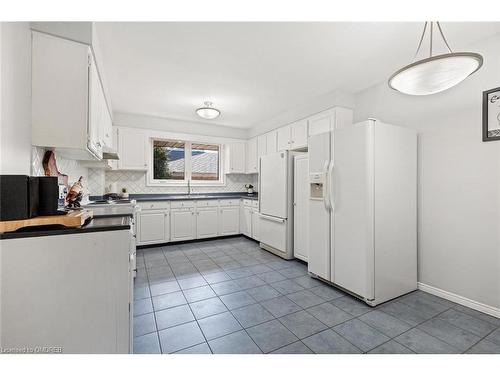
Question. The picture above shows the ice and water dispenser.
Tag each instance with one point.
(317, 183)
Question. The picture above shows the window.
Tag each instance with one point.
(169, 160)
(204, 162)
(175, 162)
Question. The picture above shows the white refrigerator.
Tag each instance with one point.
(363, 209)
(276, 203)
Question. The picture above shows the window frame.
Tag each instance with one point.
(151, 181)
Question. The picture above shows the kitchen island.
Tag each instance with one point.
(68, 290)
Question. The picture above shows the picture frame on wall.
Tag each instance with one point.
(491, 115)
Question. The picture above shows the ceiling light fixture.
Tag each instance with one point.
(208, 111)
(435, 73)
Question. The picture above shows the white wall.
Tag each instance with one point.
(15, 129)
(459, 179)
(177, 126)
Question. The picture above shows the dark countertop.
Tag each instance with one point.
(97, 224)
(186, 197)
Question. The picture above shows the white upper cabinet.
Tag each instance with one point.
(321, 123)
(335, 118)
(96, 111)
(252, 156)
(261, 146)
(283, 138)
(66, 90)
(271, 142)
(132, 149)
(236, 157)
(298, 135)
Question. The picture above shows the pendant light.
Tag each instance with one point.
(435, 73)
(208, 112)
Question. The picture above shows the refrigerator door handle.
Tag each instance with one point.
(272, 218)
(326, 194)
(331, 191)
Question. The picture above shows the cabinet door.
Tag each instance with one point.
(252, 156)
(321, 123)
(283, 136)
(207, 220)
(95, 123)
(132, 149)
(301, 208)
(271, 142)
(182, 224)
(261, 146)
(246, 221)
(236, 154)
(107, 125)
(255, 224)
(229, 221)
(298, 135)
(151, 227)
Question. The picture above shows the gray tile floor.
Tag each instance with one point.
(229, 296)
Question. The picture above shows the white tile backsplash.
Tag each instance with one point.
(135, 182)
(96, 180)
(72, 168)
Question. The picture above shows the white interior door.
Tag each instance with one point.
(273, 184)
(352, 202)
(301, 208)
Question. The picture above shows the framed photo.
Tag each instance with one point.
(491, 115)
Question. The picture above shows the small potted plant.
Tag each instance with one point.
(124, 193)
(249, 188)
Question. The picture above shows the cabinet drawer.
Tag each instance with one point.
(182, 204)
(247, 203)
(255, 204)
(157, 205)
(229, 202)
(207, 203)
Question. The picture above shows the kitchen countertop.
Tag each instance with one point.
(186, 197)
(97, 224)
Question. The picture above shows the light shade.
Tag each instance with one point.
(208, 112)
(436, 73)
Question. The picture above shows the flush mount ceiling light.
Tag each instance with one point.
(208, 111)
(435, 73)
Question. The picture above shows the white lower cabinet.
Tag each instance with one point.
(183, 226)
(246, 221)
(250, 219)
(255, 224)
(229, 220)
(153, 227)
(163, 221)
(207, 220)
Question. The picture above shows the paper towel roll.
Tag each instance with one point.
(113, 188)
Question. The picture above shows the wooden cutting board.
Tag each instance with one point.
(73, 219)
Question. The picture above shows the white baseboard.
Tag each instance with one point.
(490, 310)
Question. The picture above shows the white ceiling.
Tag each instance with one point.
(254, 71)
